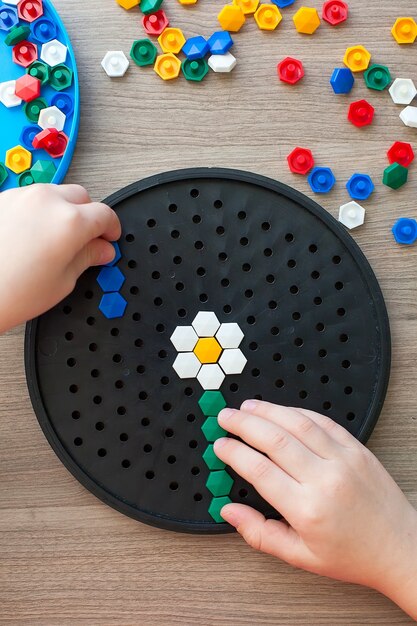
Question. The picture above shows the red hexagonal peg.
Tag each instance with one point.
(361, 113)
(401, 152)
(290, 70)
(28, 88)
(300, 160)
(53, 141)
(30, 10)
(25, 53)
(335, 12)
(155, 23)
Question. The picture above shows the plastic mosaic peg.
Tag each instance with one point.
(395, 176)
(64, 102)
(187, 2)
(171, 40)
(27, 87)
(143, 52)
(361, 113)
(282, 4)
(403, 91)
(212, 429)
(377, 77)
(335, 12)
(54, 53)
(222, 63)
(155, 23)
(321, 179)
(8, 17)
(290, 70)
(128, 4)
(196, 47)
(18, 159)
(150, 6)
(357, 58)
(118, 254)
(405, 231)
(61, 77)
(360, 186)
(54, 142)
(351, 214)
(115, 63)
(306, 20)
(229, 335)
(404, 30)
(27, 135)
(211, 460)
(39, 69)
(33, 109)
(25, 53)
(342, 80)
(25, 179)
(8, 95)
(186, 365)
(300, 160)
(195, 69)
(409, 116)
(248, 6)
(3, 174)
(206, 324)
(43, 171)
(43, 30)
(167, 66)
(52, 117)
(231, 18)
(184, 338)
(210, 376)
(232, 361)
(401, 152)
(211, 403)
(216, 506)
(208, 350)
(267, 16)
(219, 483)
(112, 305)
(16, 35)
(110, 279)
(30, 10)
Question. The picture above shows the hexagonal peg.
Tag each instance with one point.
(335, 12)
(283, 3)
(54, 53)
(361, 113)
(404, 30)
(395, 176)
(167, 66)
(206, 324)
(377, 77)
(357, 58)
(248, 7)
(3, 175)
(306, 20)
(64, 102)
(7, 94)
(117, 256)
(143, 52)
(232, 361)
(212, 429)
(110, 279)
(25, 179)
(220, 42)
(321, 179)
(401, 152)
(267, 16)
(222, 63)
(211, 403)
(128, 4)
(184, 338)
(229, 335)
(115, 63)
(150, 6)
(186, 365)
(196, 48)
(44, 30)
(211, 460)
(187, 2)
(17, 34)
(351, 214)
(194, 70)
(52, 117)
(300, 160)
(30, 10)
(25, 53)
(39, 69)
(219, 483)
(171, 40)
(61, 77)
(18, 159)
(207, 350)
(405, 231)
(216, 506)
(360, 186)
(33, 109)
(403, 91)
(54, 142)
(28, 88)
(112, 305)
(210, 376)
(342, 80)
(290, 70)
(43, 171)
(231, 18)
(409, 116)
(8, 18)
(155, 23)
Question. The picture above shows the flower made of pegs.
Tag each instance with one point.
(208, 351)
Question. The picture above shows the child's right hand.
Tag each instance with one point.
(49, 235)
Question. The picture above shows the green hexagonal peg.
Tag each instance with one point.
(219, 483)
(16, 35)
(194, 69)
(395, 176)
(212, 429)
(43, 171)
(212, 461)
(216, 506)
(377, 77)
(60, 77)
(150, 6)
(33, 108)
(143, 52)
(212, 402)
(39, 70)
(25, 179)
(3, 174)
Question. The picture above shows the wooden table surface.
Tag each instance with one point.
(66, 558)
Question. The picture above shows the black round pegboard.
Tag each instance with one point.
(255, 252)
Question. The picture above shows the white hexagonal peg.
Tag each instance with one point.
(409, 116)
(233, 361)
(54, 52)
(210, 376)
(351, 214)
(222, 62)
(206, 324)
(52, 117)
(403, 91)
(184, 338)
(115, 63)
(186, 365)
(7, 94)
(229, 335)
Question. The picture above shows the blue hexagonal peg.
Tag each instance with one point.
(110, 279)
(321, 179)
(360, 186)
(342, 80)
(405, 230)
(112, 305)
(117, 257)
(220, 42)
(196, 48)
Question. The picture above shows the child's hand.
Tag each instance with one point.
(48, 236)
(347, 518)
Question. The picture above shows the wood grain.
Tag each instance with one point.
(65, 558)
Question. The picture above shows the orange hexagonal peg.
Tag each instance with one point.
(167, 66)
(404, 30)
(357, 58)
(306, 20)
(268, 16)
(18, 159)
(231, 18)
(171, 40)
(128, 4)
(248, 6)
(207, 350)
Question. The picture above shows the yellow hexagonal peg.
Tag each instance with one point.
(231, 18)
(306, 20)
(248, 6)
(128, 4)
(18, 159)
(357, 58)
(187, 1)
(268, 17)
(167, 66)
(207, 350)
(404, 30)
(171, 40)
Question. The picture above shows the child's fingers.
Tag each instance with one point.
(332, 428)
(101, 221)
(270, 536)
(76, 194)
(269, 437)
(299, 424)
(96, 252)
(269, 480)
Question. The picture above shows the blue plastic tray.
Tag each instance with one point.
(13, 120)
